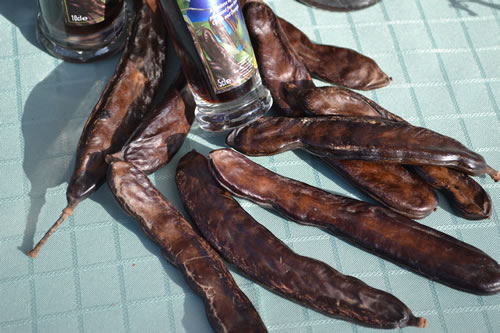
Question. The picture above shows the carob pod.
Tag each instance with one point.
(390, 184)
(228, 309)
(280, 68)
(421, 249)
(365, 138)
(340, 5)
(465, 195)
(279, 65)
(123, 104)
(337, 65)
(255, 251)
(333, 64)
(330, 101)
(162, 133)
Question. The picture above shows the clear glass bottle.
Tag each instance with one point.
(217, 57)
(82, 30)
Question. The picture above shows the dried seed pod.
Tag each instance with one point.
(264, 258)
(228, 308)
(330, 101)
(423, 250)
(278, 62)
(467, 198)
(465, 195)
(123, 104)
(389, 184)
(281, 68)
(337, 65)
(161, 134)
(364, 138)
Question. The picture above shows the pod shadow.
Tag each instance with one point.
(465, 5)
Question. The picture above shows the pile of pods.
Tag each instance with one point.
(127, 136)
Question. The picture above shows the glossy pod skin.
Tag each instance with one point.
(281, 69)
(340, 5)
(390, 184)
(331, 101)
(467, 198)
(123, 104)
(228, 308)
(162, 133)
(255, 251)
(279, 65)
(337, 65)
(376, 229)
(365, 138)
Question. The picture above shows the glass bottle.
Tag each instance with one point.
(82, 30)
(212, 42)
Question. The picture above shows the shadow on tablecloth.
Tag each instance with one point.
(464, 5)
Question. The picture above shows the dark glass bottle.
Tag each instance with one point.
(212, 42)
(82, 30)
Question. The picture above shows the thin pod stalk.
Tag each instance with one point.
(123, 104)
(228, 309)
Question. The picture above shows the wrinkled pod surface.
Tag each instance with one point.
(256, 252)
(228, 309)
(421, 249)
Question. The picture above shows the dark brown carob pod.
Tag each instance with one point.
(281, 68)
(465, 195)
(390, 184)
(467, 198)
(228, 309)
(421, 249)
(365, 138)
(123, 104)
(330, 101)
(162, 133)
(341, 66)
(279, 65)
(264, 258)
(340, 5)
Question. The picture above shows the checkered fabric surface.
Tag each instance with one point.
(99, 273)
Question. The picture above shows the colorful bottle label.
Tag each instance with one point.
(83, 12)
(221, 38)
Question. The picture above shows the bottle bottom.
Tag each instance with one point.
(217, 117)
(86, 47)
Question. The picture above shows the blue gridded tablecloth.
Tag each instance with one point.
(99, 273)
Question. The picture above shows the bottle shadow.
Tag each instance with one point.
(462, 5)
(22, 14)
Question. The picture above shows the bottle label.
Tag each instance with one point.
(221, 38)
(85, 12)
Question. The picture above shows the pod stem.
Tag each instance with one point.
(494, 174)
(417, 322)
(67, 212)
